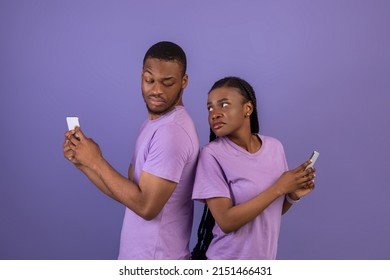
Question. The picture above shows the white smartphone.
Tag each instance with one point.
(313, 158)
(72, 122)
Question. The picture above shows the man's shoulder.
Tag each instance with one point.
(181, 115)
(175, 133)
(171, 129)
(182, 122)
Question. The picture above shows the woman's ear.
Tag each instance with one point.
(248, 108)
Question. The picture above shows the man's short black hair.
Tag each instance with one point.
(167, 51)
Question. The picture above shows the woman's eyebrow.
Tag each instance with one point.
(218, 101)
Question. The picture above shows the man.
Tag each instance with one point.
(157, 192)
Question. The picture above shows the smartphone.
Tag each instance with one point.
(73, 122)
(313, 158)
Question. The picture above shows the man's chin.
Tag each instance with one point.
(158, 111)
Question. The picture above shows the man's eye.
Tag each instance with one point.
(209, 109)
(149, 81)
(223, 105)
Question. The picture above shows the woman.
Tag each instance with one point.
(243, 178)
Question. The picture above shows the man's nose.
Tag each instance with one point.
(156, 88)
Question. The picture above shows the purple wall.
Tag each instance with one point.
(321, 72)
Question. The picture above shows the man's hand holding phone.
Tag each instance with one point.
(73, 122)
(78, 148)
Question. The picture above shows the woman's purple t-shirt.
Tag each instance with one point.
(227, 170)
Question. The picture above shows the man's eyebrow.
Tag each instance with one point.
(162, 79)
(168, 78)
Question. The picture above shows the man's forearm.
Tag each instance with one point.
(124, 190)
(95, 179)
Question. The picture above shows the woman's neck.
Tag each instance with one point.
(249, 142)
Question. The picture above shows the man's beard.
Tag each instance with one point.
(169, 108)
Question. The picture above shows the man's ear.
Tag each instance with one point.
(184, 81)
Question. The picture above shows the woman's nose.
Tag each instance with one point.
(215, 114)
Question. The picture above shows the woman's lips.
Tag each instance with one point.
(218, 125)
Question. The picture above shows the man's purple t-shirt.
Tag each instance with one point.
(227, 170)
(168, 148)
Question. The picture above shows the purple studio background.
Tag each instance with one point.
(321, 70)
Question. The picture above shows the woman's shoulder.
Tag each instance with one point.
(211, 148)
(272, 144)
(270, 140)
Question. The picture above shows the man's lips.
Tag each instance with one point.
(156, 101)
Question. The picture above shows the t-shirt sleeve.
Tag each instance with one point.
(210, 180)
(285, 165)
(169, 151)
